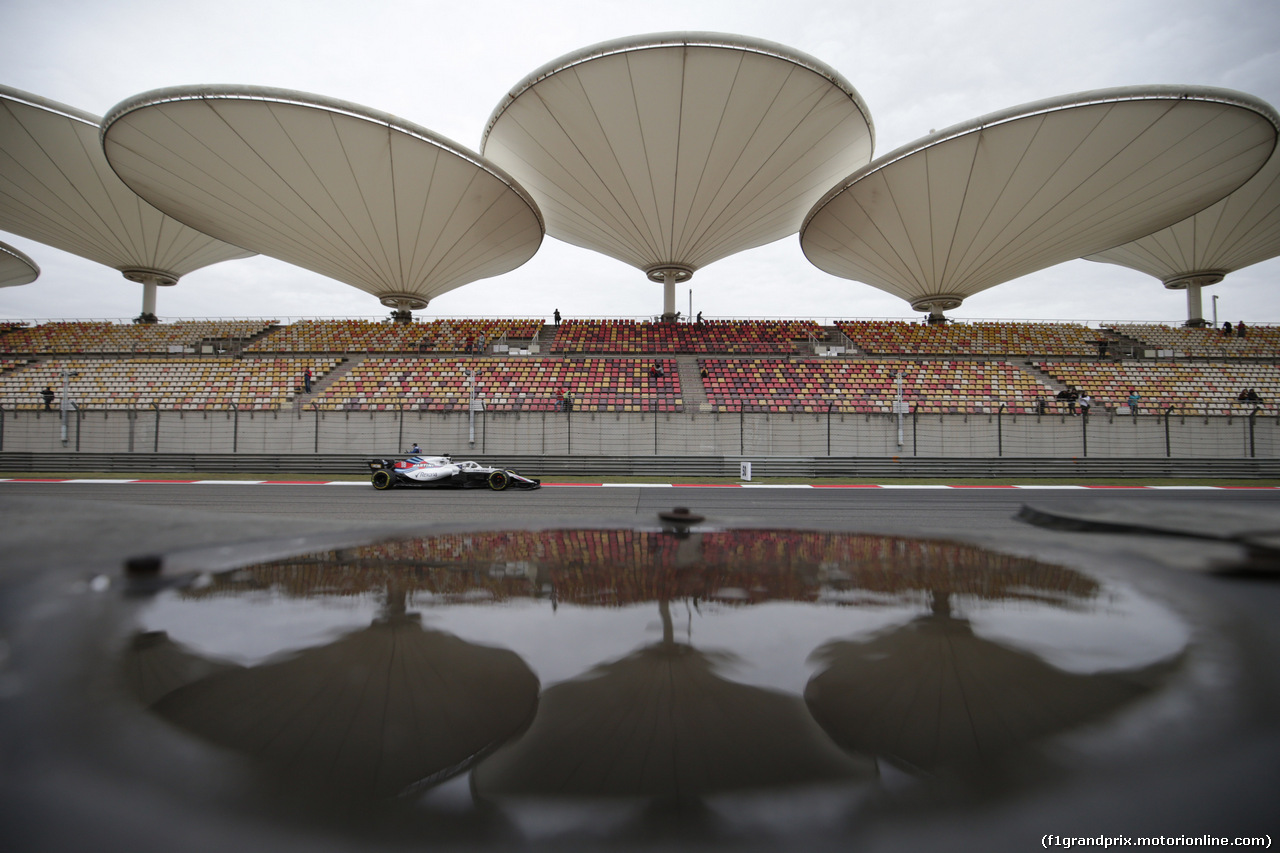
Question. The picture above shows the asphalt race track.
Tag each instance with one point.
(927, 510)
(78, 559)
(95, 522)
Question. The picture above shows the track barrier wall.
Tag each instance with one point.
(596, 434)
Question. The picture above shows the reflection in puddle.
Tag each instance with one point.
(662, 723)
(932, 694)
(377, 712)
(655, 667)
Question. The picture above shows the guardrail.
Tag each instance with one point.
(271, 465)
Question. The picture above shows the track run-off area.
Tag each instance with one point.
(961, 509)
(605, 485)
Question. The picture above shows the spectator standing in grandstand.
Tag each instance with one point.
(556, 314)
(1086, 402)
(1240, 329)
(566, 400)
(306, 380)
(1134, 397)
(1226, 328)
(1040, 405)
(699, 320)
(655, 372)
(47, 395)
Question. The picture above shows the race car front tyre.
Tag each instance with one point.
(498, 480)
(383, 480)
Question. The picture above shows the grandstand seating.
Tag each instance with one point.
(895, 337)
(462, 335)
(1190, 388)
(605, 365)
(167, 383)
(73, 338)
(846, 385)
(354, 336)
(627, 337)
(1205, 342)
(506, 384)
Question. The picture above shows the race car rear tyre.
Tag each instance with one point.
(498, 480)
(383, 480)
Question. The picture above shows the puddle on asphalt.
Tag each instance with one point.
(730, 682)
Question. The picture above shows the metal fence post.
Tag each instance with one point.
(1084, 430)
(1252, 446)
(1, 429)
(155, 439)
(235, 428)
(1000, 430)
(830, 405)
(315, 407)
(1168, 447)
(79, 420)
(915, 445)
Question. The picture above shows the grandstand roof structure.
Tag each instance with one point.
(1241, 230)
(674, 150)
(1013, 192)
(56, 188)
(15, 267)
(352, 193)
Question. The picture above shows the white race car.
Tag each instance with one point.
(441, 472)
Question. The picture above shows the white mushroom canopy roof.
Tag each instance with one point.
(345, 191)
(15, 267)
(56, 188)
(1241, 230)
(988, 201)
(670, 151)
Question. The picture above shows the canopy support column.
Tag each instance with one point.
(1192, 284)
(150, 280)
(149, 299)
(1195, 308)
(669, 276)
(935, 305)
(403, 305)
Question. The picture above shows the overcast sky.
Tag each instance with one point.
(918, 64)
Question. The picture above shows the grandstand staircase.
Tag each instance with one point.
(853, 348)
(318, 383)
(1128, 347)
(545, 338)
(244, 343)
(1041, 376)
(836, 337)
(691, 390)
